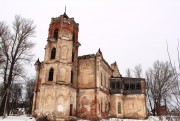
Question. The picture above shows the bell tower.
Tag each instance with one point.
(56, 87)
(61, 51)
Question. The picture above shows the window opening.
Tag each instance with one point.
(71, 109)
(72, 77)
(119, 107)
(51, 72)
(113, 85)
(72, 56)
(132, 86)
(73, 37)
(138, 86)
(117, 85)
(126, 86)
(53, 53)
(55, 36)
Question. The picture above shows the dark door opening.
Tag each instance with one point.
(71, 109)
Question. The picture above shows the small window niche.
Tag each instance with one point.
(55, 36)
(119, 107)
(51, 73)
(53, 53)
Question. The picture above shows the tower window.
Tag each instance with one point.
(55, 36)
(72, 56)
(53, 53)
(72, 74)
(51, 72)
(73, 37)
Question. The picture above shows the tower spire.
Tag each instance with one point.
(65, 9)
(65, 15)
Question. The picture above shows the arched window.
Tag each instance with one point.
(53, 53)
(119, 107)
(101, 79)
(74, 37)
(72, 74)
(72, 56)
(51, 72)
(55, 36)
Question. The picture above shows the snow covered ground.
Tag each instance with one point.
(25, 118)
(18, 118)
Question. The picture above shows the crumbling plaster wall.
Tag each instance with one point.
(134, 106)
(114, 99)
(103, 104)
(86, 76)
(56, 100)
(86, 104)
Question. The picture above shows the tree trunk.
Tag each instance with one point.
(4, 101)
(154, 110)
(3, 105)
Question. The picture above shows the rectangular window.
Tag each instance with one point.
(113, 85)
(117, 85)
(119, 107)
(138, 86)
(132, 86)
(126, 86)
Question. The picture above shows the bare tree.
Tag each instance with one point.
(16, 51)
(128, 73)
(3, 33)
(30, 85)
(160, 80)
(1, 91)
(174, 101)
(138, 71)
(1, 57)
(15, 97)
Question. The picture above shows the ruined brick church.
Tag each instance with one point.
(71, 87)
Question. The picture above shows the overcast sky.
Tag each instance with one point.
(130, 32)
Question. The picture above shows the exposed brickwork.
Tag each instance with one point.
(86, 104)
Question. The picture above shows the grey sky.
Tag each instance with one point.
(130, 32)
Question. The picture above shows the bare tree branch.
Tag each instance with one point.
(128, 73)
(138, 71)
